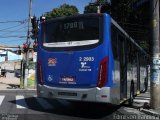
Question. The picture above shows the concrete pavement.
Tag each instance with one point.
(9, 82)
(142, 102)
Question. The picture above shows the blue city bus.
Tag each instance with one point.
(89, 57)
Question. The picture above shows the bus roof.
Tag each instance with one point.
(74, 16)
(100, 14)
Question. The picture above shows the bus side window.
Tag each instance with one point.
(129, 52)
(114, 42)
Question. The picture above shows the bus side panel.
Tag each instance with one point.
(115, 66)
(113, 76)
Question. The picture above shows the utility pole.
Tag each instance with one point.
(29, 24)
(155, 62)
(28, 44)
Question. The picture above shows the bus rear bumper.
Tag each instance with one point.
(90, 94)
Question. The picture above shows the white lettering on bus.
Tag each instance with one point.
(86, 59)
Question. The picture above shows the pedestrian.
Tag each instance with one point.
(0, 71)
(4, 73)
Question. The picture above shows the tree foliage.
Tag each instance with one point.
(134, 18)
(90, 9)
(131, 15)
(63, 10)
(93, 7)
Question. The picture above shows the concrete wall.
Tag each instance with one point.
(10, 55)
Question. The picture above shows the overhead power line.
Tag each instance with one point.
(11, 27)
(11, 36)
(7, 31)
(20, 21)
(13, 31)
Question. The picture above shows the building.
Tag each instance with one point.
(9, 56)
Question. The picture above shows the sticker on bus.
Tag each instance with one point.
(68, 80)
(52, 61)
(50, 77)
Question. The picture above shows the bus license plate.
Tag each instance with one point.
(67, 94)
(68, 78)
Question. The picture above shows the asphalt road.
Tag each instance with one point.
(24, 105)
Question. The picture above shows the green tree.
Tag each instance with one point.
(90, 9)
(93, 7)
(134, 19)
(63, 10)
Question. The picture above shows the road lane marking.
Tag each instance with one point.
(20, 102)
(141, 101)
(144, 98)
(43, 103)
(1, 99)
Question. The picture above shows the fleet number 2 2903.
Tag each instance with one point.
(86, 59)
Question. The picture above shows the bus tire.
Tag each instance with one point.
(131, 93)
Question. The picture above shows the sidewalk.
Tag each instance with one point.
(142, 102)
(149, 111)
(9, 82)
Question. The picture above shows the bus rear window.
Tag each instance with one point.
(70, 32)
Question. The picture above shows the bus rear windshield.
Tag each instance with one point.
(71, 32)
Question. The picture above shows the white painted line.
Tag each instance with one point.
(20, 102)
(144, 98)
(43, 103)
(141, 101)
(1, 99)
(147, 92)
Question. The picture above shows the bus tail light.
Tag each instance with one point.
(39, 73)
(103, 72)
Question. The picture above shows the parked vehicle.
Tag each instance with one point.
(17, 73)
(3, 72)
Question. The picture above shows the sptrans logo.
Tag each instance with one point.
(52, 61)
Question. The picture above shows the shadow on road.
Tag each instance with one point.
(93, 110)
(71, 108)
(13, 86)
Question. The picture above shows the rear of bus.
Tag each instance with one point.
(74, 58)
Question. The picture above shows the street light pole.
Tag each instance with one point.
(28, 44)
(29, 24)
(155, 62)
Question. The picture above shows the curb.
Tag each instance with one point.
(18, 89)
(149, 112)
